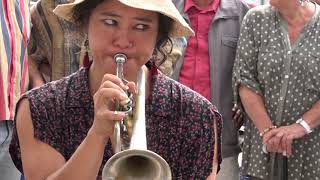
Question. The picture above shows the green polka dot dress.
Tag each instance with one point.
(287, 76)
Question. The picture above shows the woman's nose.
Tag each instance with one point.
(122, 40)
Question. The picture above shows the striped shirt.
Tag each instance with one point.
(14, 33)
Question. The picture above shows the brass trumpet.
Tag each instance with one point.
(132, 160)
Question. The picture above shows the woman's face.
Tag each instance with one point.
(114, 28)
(282, 4)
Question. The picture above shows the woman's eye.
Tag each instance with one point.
(110, 22)
(142, 27)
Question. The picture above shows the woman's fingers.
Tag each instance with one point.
(273, 143)
(105, 98)
(272, 140)
(132, 87)
(104, 121)
(111, 90)
(111, 84)
(283, 145)
(288, 145)
(110, 80)
(110, 93)
(280, 139)
(106, 114)
(104, 110)
(114, 79)
(105, 105)
(267, 136)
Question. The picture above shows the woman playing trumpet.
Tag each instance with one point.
(63, 129)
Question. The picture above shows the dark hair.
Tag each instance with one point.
(82, 11)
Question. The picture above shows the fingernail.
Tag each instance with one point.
(124, 102)
(115, 112)
(124, 95)
(119, 114)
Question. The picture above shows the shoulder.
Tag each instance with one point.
(27, 148)
(258, 17)
(182, 96)
(59, 89)
(190, 109)
(261, 12)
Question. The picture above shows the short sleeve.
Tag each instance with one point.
(199, 140)
(44, 125)
(245, 66)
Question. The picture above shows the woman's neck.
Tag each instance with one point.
(298, 15)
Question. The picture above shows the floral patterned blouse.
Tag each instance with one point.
(287, 76)
(179, 122)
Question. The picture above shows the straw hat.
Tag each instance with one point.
(165, 7)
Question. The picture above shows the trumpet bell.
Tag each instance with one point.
(136, 164)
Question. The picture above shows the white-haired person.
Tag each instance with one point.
(277, 79)
(64, 129)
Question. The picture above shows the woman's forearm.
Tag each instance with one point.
(254, 107)
(312, 117)
(85, 162)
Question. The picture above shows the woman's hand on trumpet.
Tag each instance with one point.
(112, 89)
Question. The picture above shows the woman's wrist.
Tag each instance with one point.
(305, 125)
(97, 137)
(266, 130)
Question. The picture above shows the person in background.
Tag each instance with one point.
(15, 29)
(277, 81)
(207, 62)
(68, 124)
(56, 45)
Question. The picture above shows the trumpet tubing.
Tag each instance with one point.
(132, 160)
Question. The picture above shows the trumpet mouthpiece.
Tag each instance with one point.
(120, 58)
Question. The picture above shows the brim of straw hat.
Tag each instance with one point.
(165, 7)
